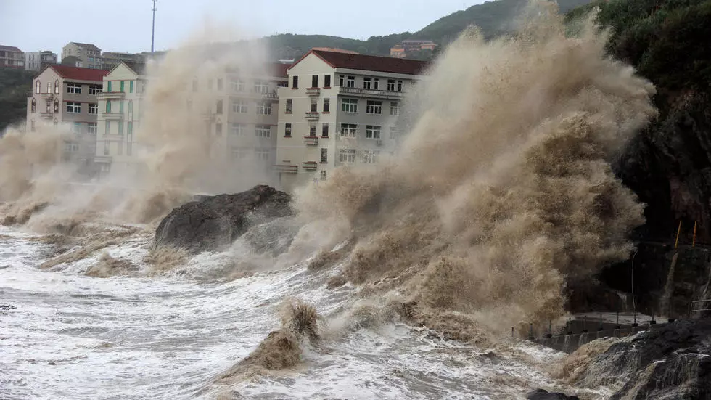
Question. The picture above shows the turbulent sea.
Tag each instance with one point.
(68, 336)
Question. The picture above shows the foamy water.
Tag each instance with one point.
(68, 336)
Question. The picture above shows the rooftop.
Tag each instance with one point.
(349, 60)
(89, 46)
(10, 48)
(80, 74)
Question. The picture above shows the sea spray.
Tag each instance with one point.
(503, 186)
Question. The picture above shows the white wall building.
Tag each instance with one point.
(340, 109)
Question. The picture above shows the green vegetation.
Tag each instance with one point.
(15, 86)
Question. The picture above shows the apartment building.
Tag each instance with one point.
(409, 47)
(68, 95)
(339, 109)
(119, 105)
(39, 60)
(88, 54)
(112, 59)
(11, 57)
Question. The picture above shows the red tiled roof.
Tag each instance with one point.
(80, 74)
(338, 59)
(10, 48)
(279, 69)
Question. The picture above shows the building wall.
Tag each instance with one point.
(38, 60)
(12, 59)
(90, 57)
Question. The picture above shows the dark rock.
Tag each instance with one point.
(670, 361)
(214, 222)
(540, 394)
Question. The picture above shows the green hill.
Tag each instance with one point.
(14, 88)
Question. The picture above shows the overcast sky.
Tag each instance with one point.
(125, 25)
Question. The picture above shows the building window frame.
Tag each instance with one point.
(349, 130)
(349, 106)
(73, 107)
(374, 107)
(287, 129)
(263, 131)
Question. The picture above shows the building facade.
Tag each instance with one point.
(112, 59)
(68, 95)
(339, 109)
(11, 57)
(88, 54)
(39, 60)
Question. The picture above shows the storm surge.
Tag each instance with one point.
(502, 188)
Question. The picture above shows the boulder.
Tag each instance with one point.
(214, 222)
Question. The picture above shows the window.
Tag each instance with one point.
(218, 129)
(34, 105)
(38, 87)
(108, 106)
(399, 86)
(49, 87)
(264, 108)
(261, 87)
(391, 85)
(314, 81)
(48, 106)
(314, 106)
(376, 84)
(312, 130)
(56, 87)
(93, 108)
(219, 84)
(289, 105)
(349, 105)
(372, 132)
(394, 108)
(91, 129)
(351, 81)
(76, 128)
(287, 130)
(73, 88)
(262, 131)
(370, 156)
(324, 155)
(348, 130)
(347, 155)
(195, 85)
(236, 85)
(327, 81)
(239, 106)
(295, 83)
(122, 87)
(374, 107)
(94, 89)
(237, 129)
(219, 107)
(108, 86)
(120, 127)
(323, 175)
(130, 87)
(71, 147)
(238, 153)
(393, 132)
(130, 106)
(326, 105)
(107, 130)
(262, 154)
(367, 83)
(73, 108)
(324, 130)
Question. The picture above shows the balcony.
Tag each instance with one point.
(286, 169)
(113, 116)
(313, 92)
(383, 94)
(46, 115)
(110, 95)
(312, 116)
(310, 166)
(311, 140)
(270, 95)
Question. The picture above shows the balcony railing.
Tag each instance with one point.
(110, 95)
(310, 166)
(113, 116)
(314, 91)
(312, 116)
(311, 140)
(286, 169)
(370, 93)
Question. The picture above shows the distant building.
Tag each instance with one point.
(68, 95)
(72, 61)
(89, 54)
(112, 59)
(39, 60)
(11, 57)
(340, 109)
(407, 47)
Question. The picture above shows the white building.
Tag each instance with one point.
(340, 109)
(39, 60)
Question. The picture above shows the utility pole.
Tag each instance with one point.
(153, 31)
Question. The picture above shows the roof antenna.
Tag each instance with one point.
(153, 32)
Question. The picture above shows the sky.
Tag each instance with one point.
(125, 25)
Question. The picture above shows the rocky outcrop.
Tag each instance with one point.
(214, 222)
(541, 394)
(671, 361)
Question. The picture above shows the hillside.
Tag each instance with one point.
(14, 87)
(493, 17)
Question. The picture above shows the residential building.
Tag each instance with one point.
(112, 59)
(398, 51)
(410, 47)
(11, 57)
(88, 54)
(39, 60)
(120, 105)
(68, 95)
(339, 109)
